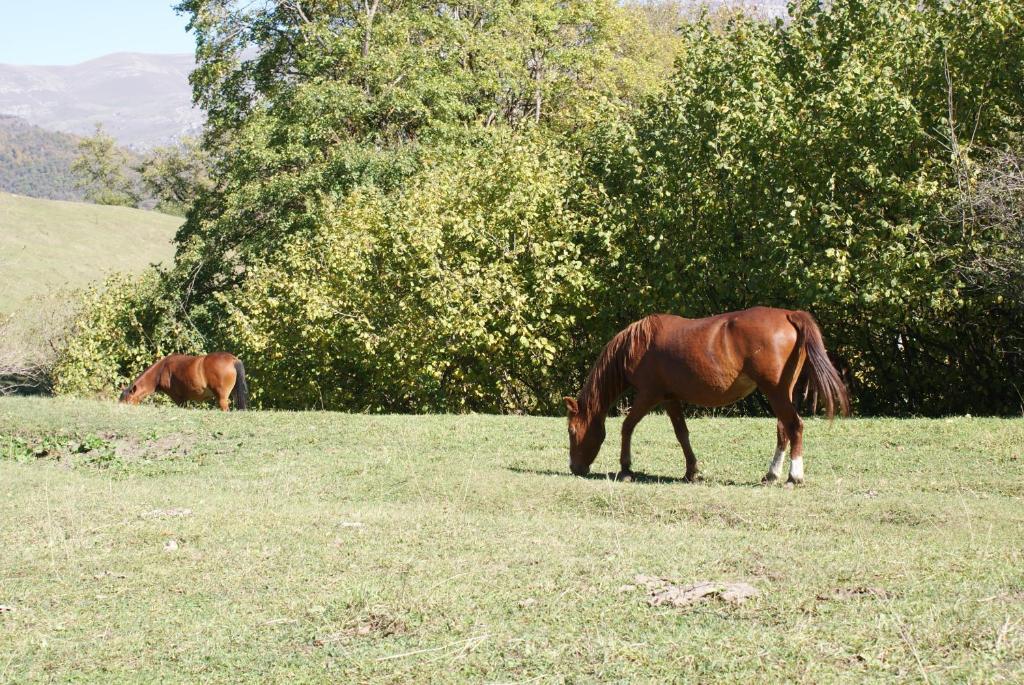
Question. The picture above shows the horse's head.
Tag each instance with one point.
(585, 438)
(130, 395)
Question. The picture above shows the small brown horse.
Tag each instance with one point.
(186, 378)
(709, 362)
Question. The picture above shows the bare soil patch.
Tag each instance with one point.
(661, 592)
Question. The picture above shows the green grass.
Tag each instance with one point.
(478, 558)
(47, 245)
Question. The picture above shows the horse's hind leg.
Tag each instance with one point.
(675, 412)
(775, 465)
(793, 425)
(223, 398)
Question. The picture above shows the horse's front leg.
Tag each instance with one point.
(674, 409)
(640, 407)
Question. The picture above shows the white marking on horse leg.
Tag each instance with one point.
(775, 465)
(796, 470)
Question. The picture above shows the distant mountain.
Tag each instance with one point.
(35, 162)
(141, 100)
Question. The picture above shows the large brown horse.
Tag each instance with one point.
(185, 378)
(709, 362)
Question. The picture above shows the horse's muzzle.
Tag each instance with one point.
(579, 470)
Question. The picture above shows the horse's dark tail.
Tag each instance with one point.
(824, 378)
(240, 393)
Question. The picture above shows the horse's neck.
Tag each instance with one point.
(150, 378)
(607, 379)
(603, 387)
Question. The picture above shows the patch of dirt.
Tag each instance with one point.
(175, 512)
(378, 623)
(131, 448)
(841, 594)
(662, 592)
(103, 450)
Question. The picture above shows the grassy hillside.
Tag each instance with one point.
(167, 545)
(46, 245)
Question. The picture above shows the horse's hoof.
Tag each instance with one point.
(769, 478)
(693, 478)
(791, 481)
(625, 476)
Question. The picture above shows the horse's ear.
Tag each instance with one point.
(570, 404)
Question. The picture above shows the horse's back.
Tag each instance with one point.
(756, 322)
(760, 327)
(199, 372)
(220, 365)
(221, 359)
(719, 359)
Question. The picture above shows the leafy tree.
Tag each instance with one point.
(994, 201)
(101, 171)
(175, 175)
(308, 101)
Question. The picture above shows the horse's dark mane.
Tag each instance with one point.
(607, 378)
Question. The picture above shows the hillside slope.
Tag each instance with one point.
(46, 245)
(36, 162)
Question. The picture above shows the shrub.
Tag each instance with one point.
(122, 328)
(458, 294)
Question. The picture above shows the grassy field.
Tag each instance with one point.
(46, 245)
(160, 544)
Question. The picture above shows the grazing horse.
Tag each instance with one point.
(709, 362)
(186, 378)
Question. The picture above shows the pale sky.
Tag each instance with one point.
(72, 31)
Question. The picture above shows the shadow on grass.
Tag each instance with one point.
(638, 477)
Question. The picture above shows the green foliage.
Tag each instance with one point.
(445, 206)
(345, 95)
(995, 202)
(175, 175)
(123, 327)
(58, 166)
(454, 294)
(101, 171)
